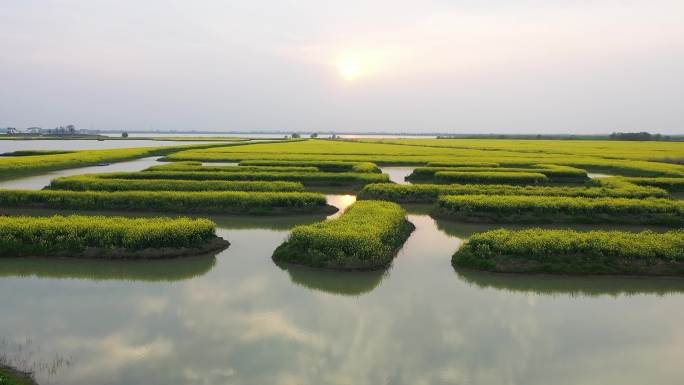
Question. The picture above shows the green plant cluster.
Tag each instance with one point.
(89, 183)
(306, 178)
(569, 251)
(327, 166)
(428, 193)
(215, 202)
(42, 236)
(490, 177)
(198, 167)
(9, 376)
(550, 209)
(550, 171)
(462, 164)
(367, 236)
(670, 184)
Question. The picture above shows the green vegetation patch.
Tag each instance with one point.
(624, 158)
(555, 209)
(306, 178)
(215, 202)
(198, 167)
(670, 184)
(88, 183)
(575, 252)
(490, 177)
(104, 237)
(11, 376)
(327, 166)
(563, 173)
(428, 193)
(463, 164)
(367, 236)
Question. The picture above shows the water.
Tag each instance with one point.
(237, 318)
(73, 145)
(37, 182)
(596, 175)
(397, 174)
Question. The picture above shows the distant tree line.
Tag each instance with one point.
(638, 136)
(631, 136)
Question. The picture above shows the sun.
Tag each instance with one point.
(350, 67)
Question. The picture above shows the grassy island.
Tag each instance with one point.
(550, 171)
(216, 202)
(366, 237)
(306, 178)
(574, 252)
(670, 184)
(327, 166)
(428, 193)
(554, 209)
(106, 237)
(487, 177)
(198, 167)
(89, 183)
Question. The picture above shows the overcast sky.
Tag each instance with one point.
(562, 66)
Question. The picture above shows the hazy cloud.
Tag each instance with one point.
(494, 66)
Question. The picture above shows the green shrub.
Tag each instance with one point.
(215, 202)
(490, 177)
(550, 171)
(87, 183)
(462, 164)
(327, 166)
(198, 167)
(22, 235)
(569, 251)
(306, 178)
(428, 193)
(670, 184)
(550, 209)
(366, 236)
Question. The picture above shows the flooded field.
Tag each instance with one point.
(236, 317)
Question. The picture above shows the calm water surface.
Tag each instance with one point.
(16, 145)
(37, 182)
(237, 318)
(397, 174)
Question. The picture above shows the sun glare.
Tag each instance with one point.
(350, 67)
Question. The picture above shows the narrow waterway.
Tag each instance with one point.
(398, 174)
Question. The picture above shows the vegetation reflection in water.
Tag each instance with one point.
(335, 282)
(246, 321)
(574, 286)
(164, 270)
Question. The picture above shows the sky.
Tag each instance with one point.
(487, 66)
